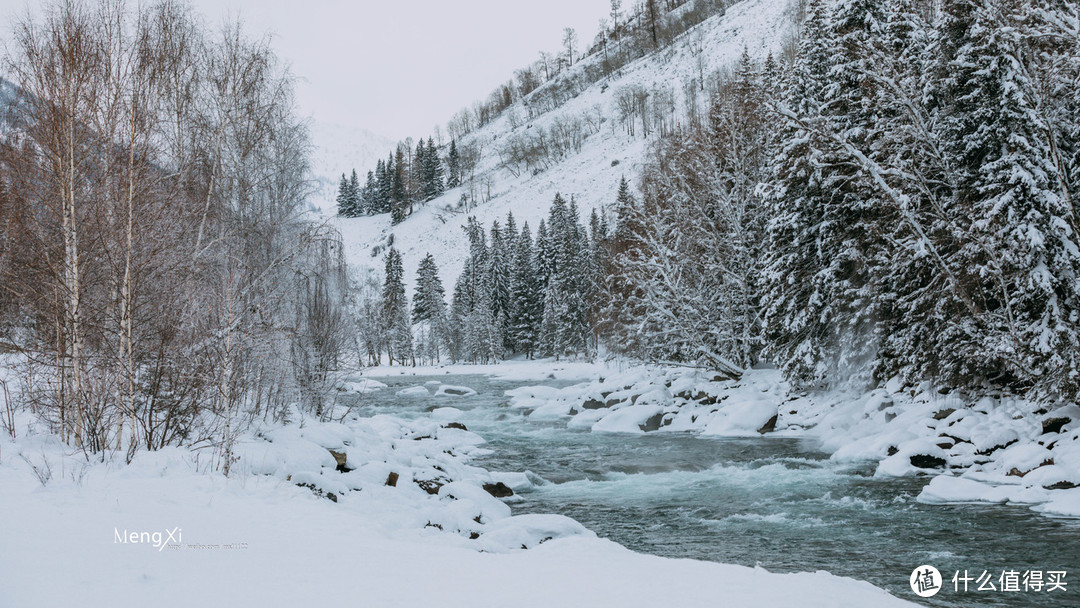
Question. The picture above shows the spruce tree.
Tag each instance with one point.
(527, 307)
(370, 195)
(421, 187)
(453, 166)
(564, 329)
(429, 307)
(500, 271)
(343, 207)
(1019, 261)
(479, 340)
(432, 171)
(624, 211)
(355, 206)
(399, 201)
(395, 311)
(800, 277)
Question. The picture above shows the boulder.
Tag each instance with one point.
(770, 425)
(593, 404)
(1054, 425)
(943, 414)
(995, 448)
(924, 461)
(455, 425)
(391, 480)
(652, 424)
(498, 489)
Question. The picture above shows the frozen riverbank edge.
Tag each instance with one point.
(380, 510)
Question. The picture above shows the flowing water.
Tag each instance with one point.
(777, 503)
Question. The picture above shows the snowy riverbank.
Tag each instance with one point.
(381, 510)
(989, 449)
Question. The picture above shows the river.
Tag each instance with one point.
(777, 503)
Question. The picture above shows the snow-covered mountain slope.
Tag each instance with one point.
(340, 149)
(591, 175)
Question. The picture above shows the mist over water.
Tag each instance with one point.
(776, 503)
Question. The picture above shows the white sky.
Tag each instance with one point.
(398, 67)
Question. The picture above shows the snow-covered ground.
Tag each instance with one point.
(979, 449)
(590, 176)
(378, 511)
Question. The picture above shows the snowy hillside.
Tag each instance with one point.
(339, 149)
(591, 175)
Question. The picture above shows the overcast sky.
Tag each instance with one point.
(398, 67)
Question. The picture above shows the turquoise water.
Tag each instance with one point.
(777, 503)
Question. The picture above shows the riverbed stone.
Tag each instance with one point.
(431, 486)
(593, 404)
(1054, 425)
(943, 414)
(924, 461)
(498, 489)
(652, 424)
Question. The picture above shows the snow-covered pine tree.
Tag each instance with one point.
(384, 176)
(356, 208)
(799, 281)
(545, 258)
(527, 305)
(343, 208)
(510, 233)
(1020, 256)
(624, 210)
(429, 308)
(596, 269)
(500, 270)
(434, 183)
(478, 340)
(564, 329)
(369, 198)
(855, 116)
(453, 166)
(395, 311)
(418, 176)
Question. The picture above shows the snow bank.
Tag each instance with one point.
(381, 511)
(980, 449)
(358, 384)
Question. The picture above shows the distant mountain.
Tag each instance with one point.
(591, 173)
(340, 149)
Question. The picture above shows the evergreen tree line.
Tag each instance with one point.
(516, 295)
(914, 214)
(405, 179)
